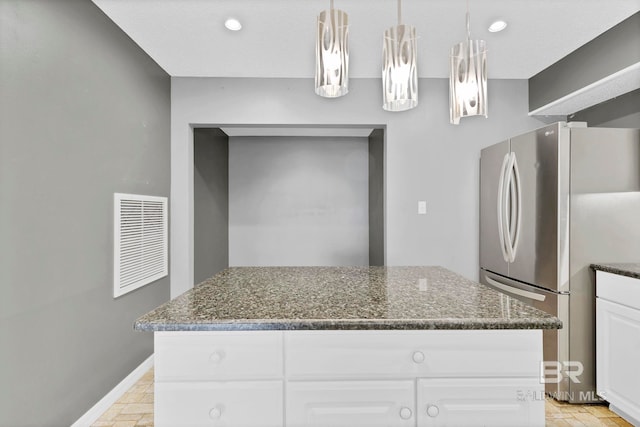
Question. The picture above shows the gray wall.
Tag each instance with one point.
(210, 203)
(426, 157)
(298, 201)
(620, 112)
(612, 51)
(376, 197)
(84, 113)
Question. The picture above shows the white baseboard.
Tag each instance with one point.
(110, 398)
(624, 414)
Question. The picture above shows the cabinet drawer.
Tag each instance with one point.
(350, 403)
(233, 403)
(480, 402)
(406, 354)
(621, 289)
(203, 356)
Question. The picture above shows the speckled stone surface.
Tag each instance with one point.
(631, 269)
(291, 298)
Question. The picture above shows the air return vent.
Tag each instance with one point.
(140, 241)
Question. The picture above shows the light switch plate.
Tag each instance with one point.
(422, 207)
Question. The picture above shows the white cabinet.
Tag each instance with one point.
(199, 356)
(349, 378)
(351, 403)
(618, 343)
(232, 403)
(409, 354)
(220, 379)
(492, 402)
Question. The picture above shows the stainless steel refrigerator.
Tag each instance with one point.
(552, 202)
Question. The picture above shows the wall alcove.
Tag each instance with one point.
(267, 196)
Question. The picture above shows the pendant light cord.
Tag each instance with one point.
(399, 12)
(468, 23)
(331, 7)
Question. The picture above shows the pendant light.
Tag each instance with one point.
(468, 78)
(332, 53)
(399, 70)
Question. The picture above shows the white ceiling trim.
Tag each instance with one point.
(614, 85)
(356, 132)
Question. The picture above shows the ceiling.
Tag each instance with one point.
(188, 37)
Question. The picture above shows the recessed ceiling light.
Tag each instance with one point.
(233, 24)
(497, 26)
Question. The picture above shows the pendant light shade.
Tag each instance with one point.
(399, 69)
(332, 53)
(468, 79)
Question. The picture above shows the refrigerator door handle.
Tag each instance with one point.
(516, 211)
(508, 208)
(500, 206)
(514, 290)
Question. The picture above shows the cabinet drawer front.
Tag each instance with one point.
(202, 356)
(621, 289)
(234, 403)
(480, 402)
(405, 354)
(350, 403)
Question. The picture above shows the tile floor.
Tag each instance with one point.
(558, 414)
(135, 408)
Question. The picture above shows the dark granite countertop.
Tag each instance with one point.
(290, 298)
(631, 269)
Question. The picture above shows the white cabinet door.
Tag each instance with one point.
(350, 403)
(618, 355)
(222, 404)
(480, 402)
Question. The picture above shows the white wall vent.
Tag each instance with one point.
(141, 252)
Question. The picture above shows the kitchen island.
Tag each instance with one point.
(297, 346)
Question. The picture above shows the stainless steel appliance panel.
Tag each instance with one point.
(577, 199)
(554, 341)
(491, 161)
(536, 256)
(604, 227)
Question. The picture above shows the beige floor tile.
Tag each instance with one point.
(620, 421)
(145, 422)
(147, 398)
(138, 408)
(573, 409)
(600, 411)
(128, 417)
(557, 423)
(102, 424)
(110, 414)
(550, 409)
(147, 378)
(589, 419)
(139, 388)
(560, 416)
(575, 423)
(124, 424)
(131, 397)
